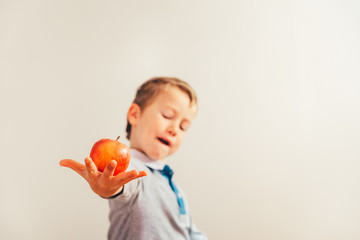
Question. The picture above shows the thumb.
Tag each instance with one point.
(77, 167)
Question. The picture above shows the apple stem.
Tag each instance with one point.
(117, 138)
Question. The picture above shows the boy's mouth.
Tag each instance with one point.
(164, 141)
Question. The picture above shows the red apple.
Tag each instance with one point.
(106, 150)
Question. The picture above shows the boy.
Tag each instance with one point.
(150, 207)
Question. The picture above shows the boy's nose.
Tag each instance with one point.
(171, 130)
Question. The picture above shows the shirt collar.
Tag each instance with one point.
(153, 164)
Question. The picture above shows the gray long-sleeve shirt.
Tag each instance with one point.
(148, 209)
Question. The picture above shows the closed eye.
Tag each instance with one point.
(184, 126)
(167, 113)
(166, 116)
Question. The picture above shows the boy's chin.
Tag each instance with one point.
(159, 156)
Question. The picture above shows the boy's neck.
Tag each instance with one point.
(154, 164)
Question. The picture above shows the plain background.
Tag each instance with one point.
(273, 153)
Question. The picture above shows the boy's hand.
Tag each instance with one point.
(103, 184)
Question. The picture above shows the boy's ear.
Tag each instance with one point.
(133, 114)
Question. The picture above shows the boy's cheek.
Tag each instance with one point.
(177, 144)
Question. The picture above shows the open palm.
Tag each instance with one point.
(102, 183)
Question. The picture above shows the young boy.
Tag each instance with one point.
(150, 207)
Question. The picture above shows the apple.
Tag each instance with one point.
(105, 150)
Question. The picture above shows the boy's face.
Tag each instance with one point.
(159, 128)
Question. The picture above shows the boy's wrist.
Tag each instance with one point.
(116, 194)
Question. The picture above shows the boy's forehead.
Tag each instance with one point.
(174, 96)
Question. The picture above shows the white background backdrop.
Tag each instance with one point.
(273, 154)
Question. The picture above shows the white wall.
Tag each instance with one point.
(273, 154)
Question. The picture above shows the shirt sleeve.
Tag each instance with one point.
(132, 188)
(195, 234)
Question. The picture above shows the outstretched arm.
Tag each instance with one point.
(104, 184)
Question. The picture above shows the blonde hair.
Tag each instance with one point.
(150, 89)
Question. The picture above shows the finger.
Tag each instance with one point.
(135, 175)
(77, 167)
(110, 168)
(129, 176)
(91, 167)
(142, 174)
